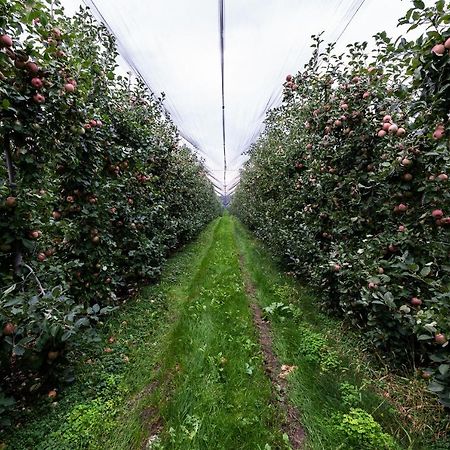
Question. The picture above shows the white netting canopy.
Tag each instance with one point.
(175, 47)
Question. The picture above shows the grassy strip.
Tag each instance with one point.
(179, 367)
(213, 392)
(103, 408)
(337, 390)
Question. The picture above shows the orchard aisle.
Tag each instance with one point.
(226, 353)
(180, 367)
(211, 391)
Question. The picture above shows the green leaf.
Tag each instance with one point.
(424, 337)
(443, 368)
(9, 290)
(13, 302)
(18, 350)
(436, 387)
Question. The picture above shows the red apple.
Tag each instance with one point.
(381, 133)
(52, 355)
(438, 134)
(69, 87)
(32, 67)
(41, 256)
(402, 207)
(401, 228)
(39, 98)
(11, 202)
(387, 118)
(440, 338)
(393, 128)
(9, 329)
(438, 49)
(442, 177)
(415, 301)
(37, 83)
(407, 177)
(5, 41)
(20, 64)
(437, 214)
(52, 394)
(406, 162)
(34, 234)
(56, 32)
(401, 132)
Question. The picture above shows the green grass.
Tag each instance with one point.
(333, 376)
(186, 372)
(214, 393)
(106, 401)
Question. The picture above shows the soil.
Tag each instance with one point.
(276, 372)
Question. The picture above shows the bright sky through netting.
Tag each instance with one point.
(175, 48)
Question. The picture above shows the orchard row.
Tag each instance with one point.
(350, 186)
(95, 189)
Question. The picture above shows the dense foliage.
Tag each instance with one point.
(349, 184)
(95, 189)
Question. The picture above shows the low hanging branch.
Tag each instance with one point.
(9, 165)
(41, 289)
(12, 186)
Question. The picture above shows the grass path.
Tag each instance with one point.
(225, 353)
(213, 391)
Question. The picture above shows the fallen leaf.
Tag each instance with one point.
(286, 370)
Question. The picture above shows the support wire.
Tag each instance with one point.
(222, 68)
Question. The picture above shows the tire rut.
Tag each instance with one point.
(273, 369)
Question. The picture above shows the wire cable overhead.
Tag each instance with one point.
(222, 72)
